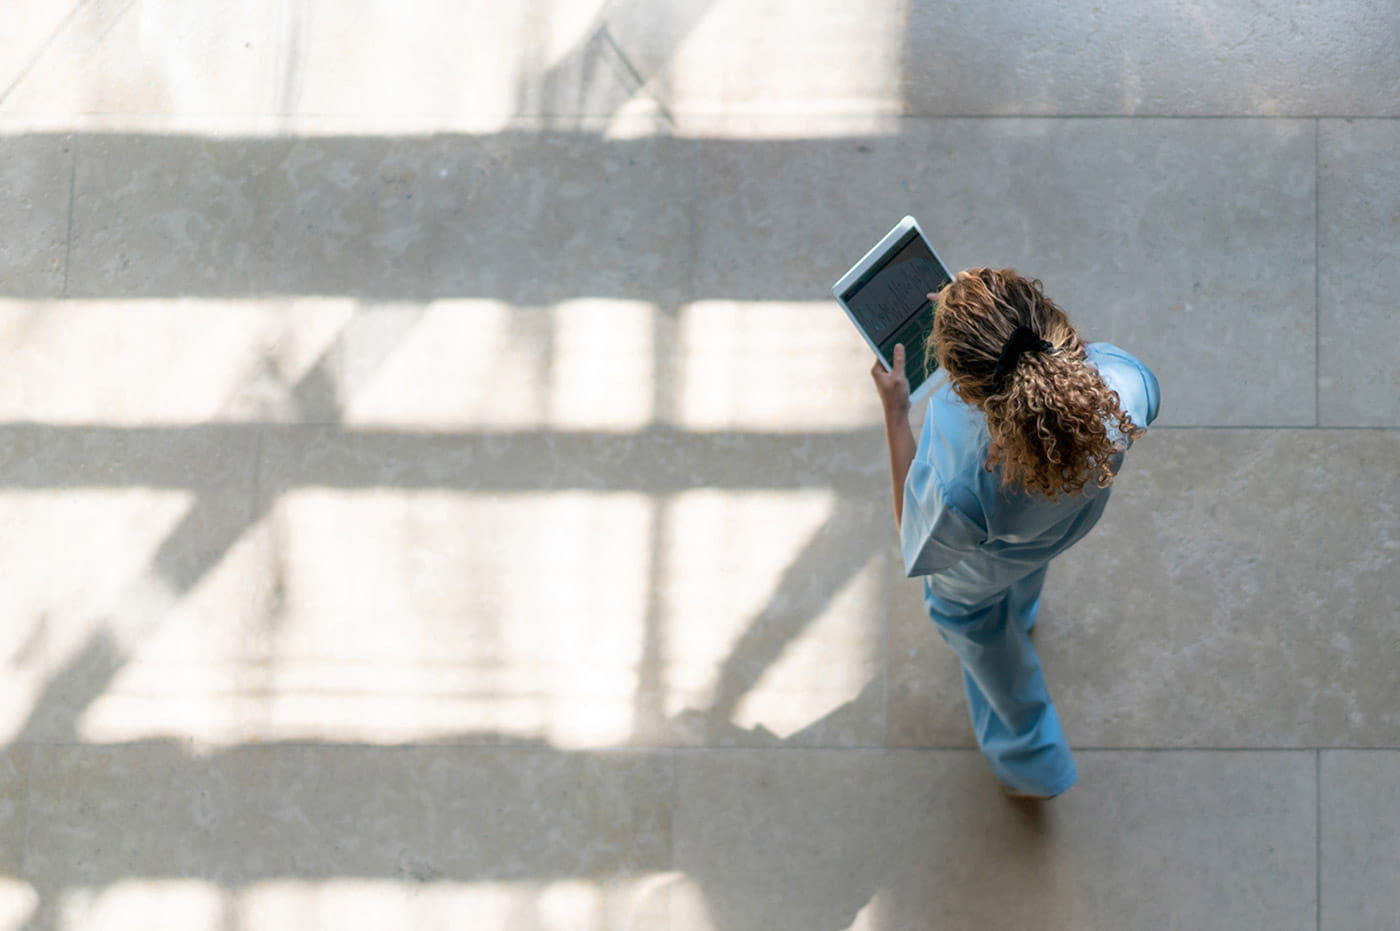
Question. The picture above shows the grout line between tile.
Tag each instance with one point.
(968, 748)
(524, 120)
(28, 807)
(72, 197)
(673, 750)
(1317, 272)
(695, 229)
(675, 825)
(1242, 117)
(887, 615)
(379, 430)
(1317, 837)
(1253, 117)
(866, 116)
(258, 446)
(675, 810)
(1195, 749)
(1279, 427)
(305, 744)
(938, 748)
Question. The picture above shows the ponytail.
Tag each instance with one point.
(1055, 425)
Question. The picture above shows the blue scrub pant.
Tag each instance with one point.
(1012, 715)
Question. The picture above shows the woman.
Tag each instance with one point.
(1013, 467)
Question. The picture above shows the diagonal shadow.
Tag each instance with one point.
(107, 20)
(473, 808)
(833, 555)
(134, 776)
(628, 44)
(460, 811)
(206, 534)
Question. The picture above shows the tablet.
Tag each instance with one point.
(886, 295)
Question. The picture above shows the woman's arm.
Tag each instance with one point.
(894, 397)
(902, 445)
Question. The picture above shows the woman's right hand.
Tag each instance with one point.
(893, 386)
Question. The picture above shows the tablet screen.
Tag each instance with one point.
(891, 303)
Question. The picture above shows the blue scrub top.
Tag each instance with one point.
(971, 536)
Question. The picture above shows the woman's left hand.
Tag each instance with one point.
(892, 385)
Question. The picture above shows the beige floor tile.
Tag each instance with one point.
(1211, 58)
(523, 216)
(438, 490)
(729, 373)
(35, 179)
(539, 217)
(178, 362)
(1360, 839)
(594, 364)
(690, 615)
(1238, 592)
(895, 839)
(144, 57)
(18, 898)
(1358, 205)
(130, 549)
(165, 216)
(446, 64)
(280, 830)
(1199, 261)
(766, 57)
(14, 813)
(30, 23)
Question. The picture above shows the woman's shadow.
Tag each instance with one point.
(865, 838)
(824, 833)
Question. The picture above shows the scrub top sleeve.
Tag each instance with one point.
(932, 534)
(1154, 393)
(1137, 387)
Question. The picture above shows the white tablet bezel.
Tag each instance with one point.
(877, 254)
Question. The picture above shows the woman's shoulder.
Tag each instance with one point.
(1107, 351)
(1134, 382)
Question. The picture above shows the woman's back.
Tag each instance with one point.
(1018, 451)
(993, 530)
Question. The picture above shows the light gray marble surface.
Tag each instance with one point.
(1358, 254)
(1187, 242)
(437, 490)
(1360, 840)
(812, 839)
(1210, 58)
(1239, 592)
(35, 180)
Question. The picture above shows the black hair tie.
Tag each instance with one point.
(1022, 340)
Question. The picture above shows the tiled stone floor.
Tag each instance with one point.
(436, 490)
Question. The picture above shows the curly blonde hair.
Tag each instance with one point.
(1049, 415)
